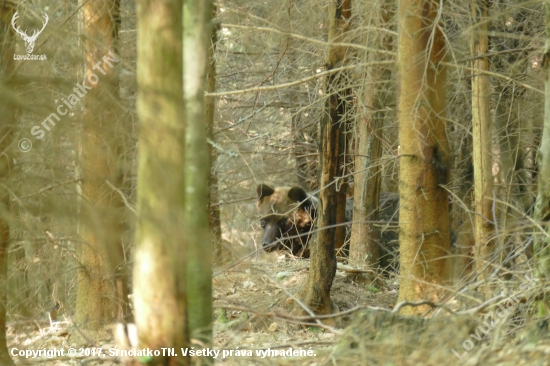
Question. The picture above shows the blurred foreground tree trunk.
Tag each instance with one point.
(196, 44)
(160, 265)
(102, 283)
(481, 122)
(365, 235)
(542, 207)
(323, 259)
(7, 111)
(424, 157)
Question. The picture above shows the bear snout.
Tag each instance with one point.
(272, 233)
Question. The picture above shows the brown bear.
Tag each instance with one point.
(287, 216)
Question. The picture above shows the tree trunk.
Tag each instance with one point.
(160, 260)
(463, 251)
(303, 130)
(323, 259)
(424, 157)
(481, 121)
(7, 111)
(304, 150)
(102, 286)
(214, 208)
(512, 186)
(343, 166)
(365, 235)
(542, 207)
(196, 43)
(339, 114)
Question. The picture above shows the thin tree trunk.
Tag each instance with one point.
(424, 157)
(302, 130)
(481, 121)
(323, 260)
(542, 207)
(463, 252)
(297, 140)
(339, 107)
(102, 286)
(7, 111)
(510, 207)
(365, 235)
(215, 222)
(196, 43)
(344, 169)
(160, 261)
(511, 156)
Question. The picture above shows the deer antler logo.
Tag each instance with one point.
(29, 40)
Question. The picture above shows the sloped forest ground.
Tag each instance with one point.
(253, 300)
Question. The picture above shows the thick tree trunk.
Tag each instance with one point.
(424, 156)
(7, 111)
(542, 207)
(365, 235)
(196, 43)
(481, 121)
(323, 259)
(160, 260)
(102, 286)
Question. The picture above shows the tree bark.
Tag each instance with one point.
(323, 260)
(7, 111)
(542, 207)
(102, 286)
(481, 121)
(365, 235)
(160, 260)
(196, 43)
(424, 157)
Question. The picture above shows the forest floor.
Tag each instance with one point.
(266, 289)
(250, 300)
(253, 301)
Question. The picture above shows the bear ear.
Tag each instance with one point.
(263, 190)
(298, 194)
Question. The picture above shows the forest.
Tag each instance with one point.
(278, 182)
